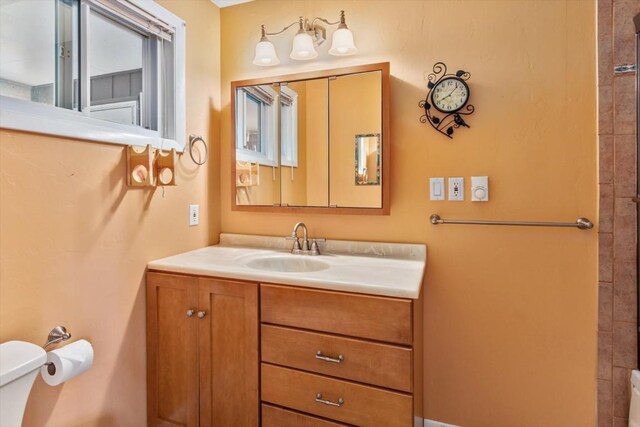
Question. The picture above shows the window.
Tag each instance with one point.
(257, 125)
(105, 70)
(288, 127)
(38, 45)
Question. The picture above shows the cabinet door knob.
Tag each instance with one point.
(190, 312)
(201, 314)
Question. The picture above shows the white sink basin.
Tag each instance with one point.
(287, 264)
(387, 269)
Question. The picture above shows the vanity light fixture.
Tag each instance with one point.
(308, 37)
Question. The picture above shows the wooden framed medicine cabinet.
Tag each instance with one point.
(296, 142)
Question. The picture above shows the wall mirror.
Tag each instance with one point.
(313, 142)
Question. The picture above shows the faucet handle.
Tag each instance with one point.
(315, 250)
(296, 244)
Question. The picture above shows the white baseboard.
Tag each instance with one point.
(431, 423)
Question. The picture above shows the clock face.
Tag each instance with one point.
(450, 95)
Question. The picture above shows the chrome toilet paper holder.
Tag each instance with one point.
(56, 335)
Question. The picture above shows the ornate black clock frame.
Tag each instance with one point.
(452, 120)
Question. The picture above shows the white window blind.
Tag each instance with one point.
(137, 17)
(264, 95)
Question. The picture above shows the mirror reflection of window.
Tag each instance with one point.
(257, 125)
(252, 123)
(288, 127)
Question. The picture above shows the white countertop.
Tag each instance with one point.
(389, 269)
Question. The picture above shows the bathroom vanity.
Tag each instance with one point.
(246, 334)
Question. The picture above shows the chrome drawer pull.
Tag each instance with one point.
(319, 399)
(338, 359)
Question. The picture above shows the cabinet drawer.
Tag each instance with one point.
(361, 360)
(272, 416)
(362, 405)
(363, 316)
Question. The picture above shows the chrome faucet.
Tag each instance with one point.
(304, 248)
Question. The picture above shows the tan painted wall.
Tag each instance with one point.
(266, 193)
(317, 148)
(510, 323)
(354, 109)
(75, 242)
(294, 186)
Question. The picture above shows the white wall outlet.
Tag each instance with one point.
(456, 188)
(194, 214)
(479, 188)
(436, 188)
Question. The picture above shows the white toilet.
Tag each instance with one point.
(634, 411)
(20, 363)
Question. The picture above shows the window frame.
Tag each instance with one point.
(30, 116)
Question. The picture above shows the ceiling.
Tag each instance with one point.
(227, 3)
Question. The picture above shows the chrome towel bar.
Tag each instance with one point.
(581, 223)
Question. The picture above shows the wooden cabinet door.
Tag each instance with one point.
(172, 350)
(228, 358)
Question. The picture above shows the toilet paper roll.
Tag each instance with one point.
(67, 362)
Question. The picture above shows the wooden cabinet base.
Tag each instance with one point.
(172, 351)
(363, 316)
(329, 359)
(273, 416)
(348, 358)
(202, 352)
(334, 399)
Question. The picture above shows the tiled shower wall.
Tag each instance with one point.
(617, 302)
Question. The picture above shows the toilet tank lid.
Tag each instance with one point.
(635, 379)
(18, 358)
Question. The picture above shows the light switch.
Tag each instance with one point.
(456, 188)
(436, 186)
(479, 188)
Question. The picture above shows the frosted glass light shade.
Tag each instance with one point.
(303, 48)
(342, 43)
(265, 54)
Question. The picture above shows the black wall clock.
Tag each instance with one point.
(448, 94)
